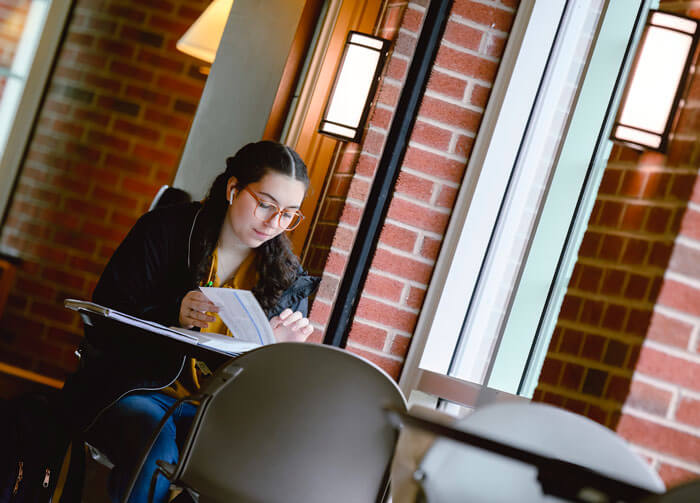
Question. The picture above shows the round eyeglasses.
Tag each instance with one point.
(265, 210)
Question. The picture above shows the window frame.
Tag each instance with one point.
(516, 362)
(36, 82)
(519, 360)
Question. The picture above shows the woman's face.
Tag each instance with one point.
(281, 190)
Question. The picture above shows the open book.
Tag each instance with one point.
(239, 310)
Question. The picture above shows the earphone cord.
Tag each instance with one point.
(210, 281)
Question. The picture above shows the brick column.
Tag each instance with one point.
(661, 414)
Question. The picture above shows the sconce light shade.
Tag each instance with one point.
(355, 83)
(203, 37)
(656, 81)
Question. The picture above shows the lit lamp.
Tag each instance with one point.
(203, 37)
(355, 83)
(657, 80)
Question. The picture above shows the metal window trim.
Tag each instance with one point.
(521, 68)
(563, 220)
(458, 391)
(412, 377)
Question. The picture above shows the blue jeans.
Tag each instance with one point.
(123, 431)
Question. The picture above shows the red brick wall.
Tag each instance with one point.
(447, 122)
(13, 15)
(110, 132)
(610, 299)
(625, 350)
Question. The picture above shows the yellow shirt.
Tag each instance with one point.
(245, 278)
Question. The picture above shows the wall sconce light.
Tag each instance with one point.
(656, 81)
(355, 84)
(203, 37)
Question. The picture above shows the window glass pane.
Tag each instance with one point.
(13, 18)
(21, 25)
(526, 192)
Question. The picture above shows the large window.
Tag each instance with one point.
(526, 197)
(29, 34)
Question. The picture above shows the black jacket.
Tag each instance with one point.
(147, 276)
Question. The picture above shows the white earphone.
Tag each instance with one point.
(230, 197)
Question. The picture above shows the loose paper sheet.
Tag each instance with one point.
(240, 311)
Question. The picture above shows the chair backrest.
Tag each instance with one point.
(167, 196)
(292, 422)
(454, 470)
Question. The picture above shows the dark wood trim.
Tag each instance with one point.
(292, 69)
(318, 151)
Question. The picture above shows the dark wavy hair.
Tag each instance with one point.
(276, 264)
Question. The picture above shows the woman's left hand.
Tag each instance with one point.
(290, 326)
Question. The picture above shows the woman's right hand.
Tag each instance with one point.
(194, 308)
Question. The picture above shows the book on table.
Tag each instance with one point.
(239, 310)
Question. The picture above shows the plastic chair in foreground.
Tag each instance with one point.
(291, 422)
(456, 471)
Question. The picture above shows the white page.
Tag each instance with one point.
(240, 311)
(150, 326)
(219, 341)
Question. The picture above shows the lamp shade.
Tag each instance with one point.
(656, 81)
(203, 37)
(355, 83)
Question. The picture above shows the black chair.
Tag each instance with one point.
(290, 422)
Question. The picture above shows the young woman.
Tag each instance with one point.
(235, 238)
